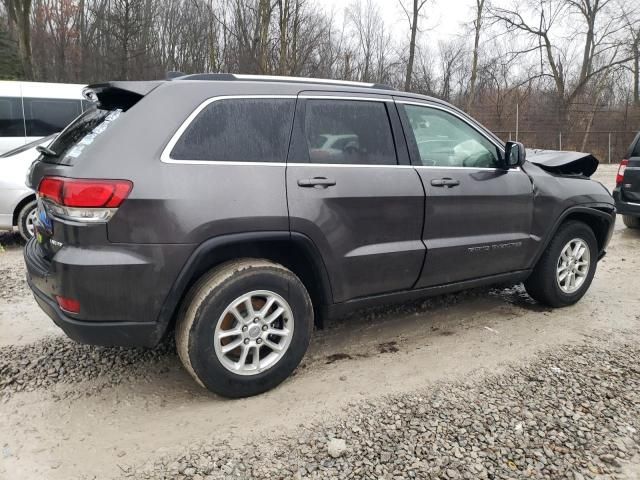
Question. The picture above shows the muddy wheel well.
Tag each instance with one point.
(598, 224)
(296, 256)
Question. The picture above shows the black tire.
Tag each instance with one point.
(203, 308)
(630, 221)
(23, 219)
(542, 284)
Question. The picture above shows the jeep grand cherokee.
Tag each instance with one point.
(214, 206)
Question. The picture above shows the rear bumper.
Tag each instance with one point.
(125, 334)
(120, 293)
(625, 207)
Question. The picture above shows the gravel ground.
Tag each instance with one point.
(13, 287)
(59, 360)
(480, 384)
(574, 413)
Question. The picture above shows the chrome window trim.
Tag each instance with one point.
(165, 156)
(283, 164)
(248, 77)
(455, 114)
(343, 97)
(493, 169)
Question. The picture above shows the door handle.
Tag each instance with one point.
(445, 182)
(322, 182)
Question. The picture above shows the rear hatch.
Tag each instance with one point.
(630, 186)
(112, 100)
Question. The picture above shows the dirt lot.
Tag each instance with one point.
(482, 384)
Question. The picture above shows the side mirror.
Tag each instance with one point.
(514, 154)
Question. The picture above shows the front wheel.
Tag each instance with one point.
(244, 327)
(26, 220)
(630, 221)
(564, 272)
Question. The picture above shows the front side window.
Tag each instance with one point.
(44, 116)
(11, 119)
(238, 130)
(349, 132)
(444, 140)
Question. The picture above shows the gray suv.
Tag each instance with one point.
(240, 211)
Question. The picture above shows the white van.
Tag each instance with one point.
(31, 110)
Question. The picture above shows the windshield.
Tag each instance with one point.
(80, 133)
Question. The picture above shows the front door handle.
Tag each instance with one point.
(445, 182)
(322, 182)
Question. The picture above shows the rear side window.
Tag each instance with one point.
(349, 132)
(238, 130)
(45, 116)
(11, 119)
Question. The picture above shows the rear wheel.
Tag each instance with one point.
(630, 221)
(26, 219)
(244, 327)
(567, 266)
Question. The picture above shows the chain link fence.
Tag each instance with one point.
(608, 147)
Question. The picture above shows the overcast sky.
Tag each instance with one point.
(443, 18)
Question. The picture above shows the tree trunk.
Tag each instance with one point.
(19, 12)
(264, 19)
(284, 7)
(474, 62)
(636, 74)
(412, 46)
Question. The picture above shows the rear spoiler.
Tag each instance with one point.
(121, 95)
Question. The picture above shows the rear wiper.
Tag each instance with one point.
(46, 151)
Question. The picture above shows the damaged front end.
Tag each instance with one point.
(564, 163)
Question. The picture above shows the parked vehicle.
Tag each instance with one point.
(32, 110)
(199, 204)
(627, 191)
(17, 201)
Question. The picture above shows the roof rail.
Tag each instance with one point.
(274, 78)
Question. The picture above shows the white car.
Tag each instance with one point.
(32, 110)
(17, 201)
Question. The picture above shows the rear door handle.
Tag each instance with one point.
(322, 182)
(445, 182)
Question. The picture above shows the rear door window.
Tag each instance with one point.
(238, 130)
(351, 132)
(45, 116)
(11, 119)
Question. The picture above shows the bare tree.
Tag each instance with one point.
(631, 19)
(477, 27)
(19, 15)
(413, 17)
(536, 20)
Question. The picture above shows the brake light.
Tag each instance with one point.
(621, 169)
(68, 304)
(82, 199)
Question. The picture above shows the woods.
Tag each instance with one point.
(569, 69)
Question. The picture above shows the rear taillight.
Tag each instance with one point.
(82, 199)
(621, 169)
(68, 304)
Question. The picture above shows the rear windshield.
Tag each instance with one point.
(80, 133)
